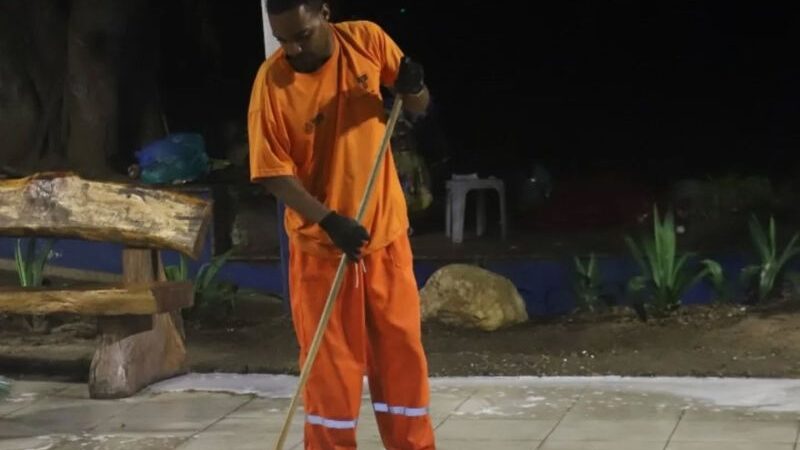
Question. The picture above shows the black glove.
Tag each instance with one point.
(410, 78)
(346, 233)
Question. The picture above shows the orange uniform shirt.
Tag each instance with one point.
(326, 128)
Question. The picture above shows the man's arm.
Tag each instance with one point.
(347, 234)
(291, 192)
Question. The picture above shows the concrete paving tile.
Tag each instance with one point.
(57, 415)
(374, 444)
(238, 442)
(490, 429)
(508, 415)
(518, 402)
(241, 434)
(13, 428)
(727, 446)
(601, 445)
(11, 405)
(735, 431)
(368, 430)
(482, 445)
(181, 415)
(41, 388)
(246, 432)
(29, 443)
(627, 405)
(25, 393)
(80, 391)
(119, 442)
(714, 413)
(266, 408)
(576, 428)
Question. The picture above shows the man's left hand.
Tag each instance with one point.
(410, 78)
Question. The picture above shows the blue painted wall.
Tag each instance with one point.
(545, 285)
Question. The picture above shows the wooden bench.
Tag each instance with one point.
(141, 331)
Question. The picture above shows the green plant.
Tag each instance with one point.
(30, 270)
(665, 274)
(587, 284)
(213, 299)
(761, 280)
(207, 274)
(30, 264)
(179, 272)
(722, 292)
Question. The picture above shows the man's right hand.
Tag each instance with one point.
(346, 233)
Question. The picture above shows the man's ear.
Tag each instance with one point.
(325, 11)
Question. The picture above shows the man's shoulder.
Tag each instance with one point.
(271, 65)
(270, 69)
(363, 30)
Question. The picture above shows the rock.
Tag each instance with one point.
(471, 297)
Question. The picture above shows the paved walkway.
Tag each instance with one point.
(245, 412)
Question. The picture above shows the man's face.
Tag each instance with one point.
(304, 34)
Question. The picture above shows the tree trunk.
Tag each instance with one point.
(129, 359)
(79, 85)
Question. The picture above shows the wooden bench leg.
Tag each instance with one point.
(132, 355)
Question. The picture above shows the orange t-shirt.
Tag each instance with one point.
(326, 128)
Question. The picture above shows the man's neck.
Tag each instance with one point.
(326, 56)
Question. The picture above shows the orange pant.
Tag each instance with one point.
(374, 330)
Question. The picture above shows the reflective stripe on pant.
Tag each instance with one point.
(374, 330)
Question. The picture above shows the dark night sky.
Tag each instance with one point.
(676, 88)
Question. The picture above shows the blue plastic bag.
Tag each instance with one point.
(178, 158)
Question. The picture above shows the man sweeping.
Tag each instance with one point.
(316, 120)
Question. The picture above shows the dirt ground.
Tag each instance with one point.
(699, 341)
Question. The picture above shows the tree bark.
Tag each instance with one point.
(136, 299)
(60, 205)
(124, 364)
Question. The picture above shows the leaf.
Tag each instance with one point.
(773, 244)
(668, 246)
(200, 278)
(172, 273)
(714, 272)
(759, 239)
(579, 266)
(20, 261)
(592, 268)
(655, 270)
(790, 251)
(212, 268)
(28, 261)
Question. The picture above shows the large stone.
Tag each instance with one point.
(471, 297)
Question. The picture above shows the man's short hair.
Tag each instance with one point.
(281, 6)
